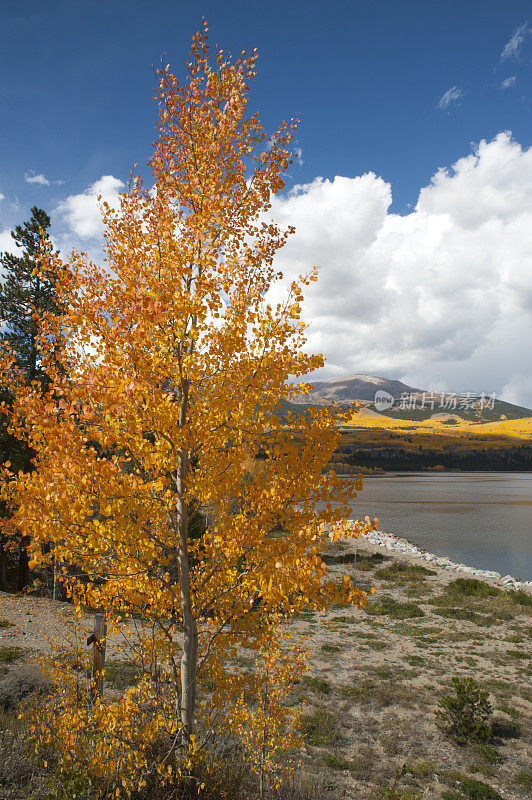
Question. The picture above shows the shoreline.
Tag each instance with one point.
(400, 545)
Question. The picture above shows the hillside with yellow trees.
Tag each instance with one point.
(370, 439)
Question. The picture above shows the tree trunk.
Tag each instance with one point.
(3, 564)
(190, 630)
(23, 564)
(99, 640)
(59, 586)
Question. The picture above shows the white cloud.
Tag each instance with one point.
(40, 179)
(442, 296)
(508, 82)
(82, 211)
(518, 387)
(2, 196)
(7, 243)
(452, 95)
(512, 48)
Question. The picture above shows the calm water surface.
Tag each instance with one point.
(483, 519)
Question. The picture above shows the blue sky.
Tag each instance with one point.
(392, 87)
(366, 78)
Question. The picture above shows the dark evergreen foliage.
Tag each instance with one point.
(508, 459)
(24, 292)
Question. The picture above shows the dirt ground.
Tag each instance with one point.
(376, 675)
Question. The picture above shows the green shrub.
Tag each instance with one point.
(471, 789)
(386, 672)
(388, 606)
(376, 645)
(524, 779)
(416, 661)
(488, 753)
(378, 694)
(517, 654)
(390, 745)
(330, 648)
(320, 728)
(514, 638)
(478, 790)
(317, 684)
(336, 762)
(9, 654)
(419, 769)
(401, 572)
(122, 674)
(471, 587)
(510, 710)
(365, 564)
(521, 597)
(465, 715)
(465, 614)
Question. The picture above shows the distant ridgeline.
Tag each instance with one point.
(412, 429)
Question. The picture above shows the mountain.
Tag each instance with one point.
(352, 388)
(409, 402)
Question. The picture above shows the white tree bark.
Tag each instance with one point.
(189, 658)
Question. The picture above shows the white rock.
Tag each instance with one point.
(401, 545)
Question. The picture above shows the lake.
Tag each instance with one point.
(483, 519)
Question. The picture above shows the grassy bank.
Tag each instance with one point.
(375, 680)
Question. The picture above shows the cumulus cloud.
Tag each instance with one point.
(449, 97)
(82, 211)
(40, 179)
(508, 82)
(519, 387)
(442, 296)
(512, 48)
(7, 243)
(2, 196)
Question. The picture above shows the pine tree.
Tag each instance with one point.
(25, 294)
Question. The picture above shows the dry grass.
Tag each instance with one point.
(373, 686)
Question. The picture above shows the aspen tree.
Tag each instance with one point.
(177, 366)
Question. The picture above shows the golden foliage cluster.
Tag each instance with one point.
(369, 428)
(166, 371)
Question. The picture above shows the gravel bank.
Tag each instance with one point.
(391, 542)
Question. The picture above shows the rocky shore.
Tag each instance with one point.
(399, 545)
